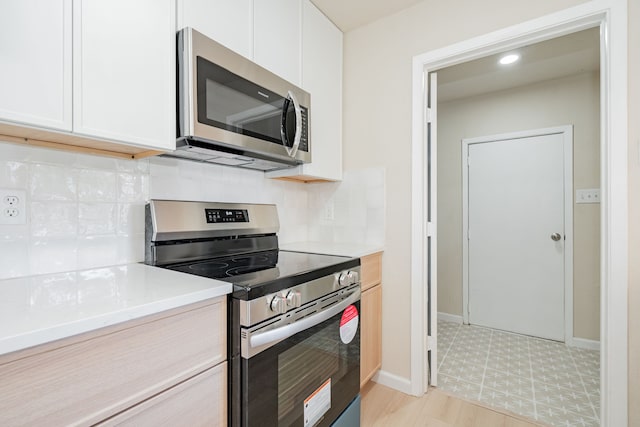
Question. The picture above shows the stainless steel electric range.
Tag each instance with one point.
(294, 330)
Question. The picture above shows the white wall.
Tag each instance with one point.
(377, 124)
(85, 211)
(571, 100)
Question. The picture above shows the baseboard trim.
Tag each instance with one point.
(450, 317)
(584, 343)
(393, 381)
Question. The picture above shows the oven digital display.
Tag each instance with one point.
(215, 216)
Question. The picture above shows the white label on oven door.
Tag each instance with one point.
(316, 405)
(349, 324)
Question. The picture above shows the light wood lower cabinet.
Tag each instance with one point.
(371, 322)
(371, 333)
(371, 270)
(199, 401)
(86, 379)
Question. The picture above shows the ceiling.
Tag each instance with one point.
(552, 59)
(350, 14)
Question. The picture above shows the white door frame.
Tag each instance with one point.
(567, 150)
(611, 17)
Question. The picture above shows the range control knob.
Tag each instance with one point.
(348, 278)
(278, 304)
(294, 299)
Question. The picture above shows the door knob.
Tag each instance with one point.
(556, 236)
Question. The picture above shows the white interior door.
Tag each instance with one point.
(516, 233)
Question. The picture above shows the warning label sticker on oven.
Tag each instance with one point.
(317, 404)
(349, 324)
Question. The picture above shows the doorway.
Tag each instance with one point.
(610, 15)
(509, 371)
(517, 235)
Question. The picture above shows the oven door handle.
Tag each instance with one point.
(291, 329)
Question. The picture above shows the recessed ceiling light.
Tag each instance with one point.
(509, 59)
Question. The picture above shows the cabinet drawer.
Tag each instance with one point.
(371, 270)
(102, 374)
(199, 401)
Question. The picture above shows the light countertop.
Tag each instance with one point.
(354, 250)
(39, 309)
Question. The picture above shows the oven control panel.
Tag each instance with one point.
(281, 302)
(255, 311)
(216, 216)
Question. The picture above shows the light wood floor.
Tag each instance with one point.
(383, 406)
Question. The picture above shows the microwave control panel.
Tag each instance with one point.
(304, 137)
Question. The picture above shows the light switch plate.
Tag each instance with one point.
(13, 206)
(591, 195)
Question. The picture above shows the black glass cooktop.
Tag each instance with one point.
(262, 273)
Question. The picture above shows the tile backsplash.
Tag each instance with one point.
(349, 211)
(82, 211)
(184, 180)
(86, 211)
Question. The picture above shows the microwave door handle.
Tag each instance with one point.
(291, 151)
(291, 329)
(298, 135)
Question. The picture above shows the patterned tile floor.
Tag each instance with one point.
(540, 379)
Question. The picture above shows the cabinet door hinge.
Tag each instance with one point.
(429, 229)
(429, 114)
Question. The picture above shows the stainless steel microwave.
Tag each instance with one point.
(231, 111)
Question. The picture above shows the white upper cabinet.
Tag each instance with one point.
(89, 73)
(124, 71)
(322, 78)
(229, 22)
(101, 74)
(35, 65)
(277, 37)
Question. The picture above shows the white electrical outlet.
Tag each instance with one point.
(328, 211)
(591, 195)
(13, 206)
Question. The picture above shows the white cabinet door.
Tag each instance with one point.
(229, 22)
(35, 71)
(276, 37)
(322, 78)
(124, 71)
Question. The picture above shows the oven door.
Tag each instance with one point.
(307, 379)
